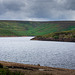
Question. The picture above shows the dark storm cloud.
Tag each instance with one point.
(13, 5)
(37, 9)
(2, 10)
(70, 5)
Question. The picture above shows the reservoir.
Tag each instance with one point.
(45, 53)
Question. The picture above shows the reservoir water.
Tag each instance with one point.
(45, 53)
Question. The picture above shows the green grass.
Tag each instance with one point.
(29, 28)
(62, 36)
(8, 72)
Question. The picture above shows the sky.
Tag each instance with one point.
(37, 10)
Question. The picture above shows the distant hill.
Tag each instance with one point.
(34, 28)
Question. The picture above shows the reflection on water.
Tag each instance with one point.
(45, 53)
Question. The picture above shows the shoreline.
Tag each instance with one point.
(53, 40)
(16, 36)
(39, 39)
(13, 36)
(37, 68)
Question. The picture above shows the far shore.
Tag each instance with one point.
(16, 36)
(36, 69)
(13, 36)
(51, 39)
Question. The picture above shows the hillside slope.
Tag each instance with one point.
(68, 36)
(30, 28)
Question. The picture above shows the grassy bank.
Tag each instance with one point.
(5, 71)
(31, 28)
(10, 68)
(8, 72)
(68, 36)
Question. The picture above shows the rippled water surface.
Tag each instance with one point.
(45, 53)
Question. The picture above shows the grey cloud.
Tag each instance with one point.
(66, 4)
(70, 4)
(13, 5)
(37, 9)
(41, 8)
(2, 10)
(54, 9)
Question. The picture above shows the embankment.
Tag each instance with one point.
(36, 69)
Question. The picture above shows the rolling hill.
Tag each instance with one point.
(33, 28)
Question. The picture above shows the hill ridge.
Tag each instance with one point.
(33, 28)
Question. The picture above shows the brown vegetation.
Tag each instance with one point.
(36, 69)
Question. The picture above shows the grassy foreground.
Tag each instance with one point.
(9, 68)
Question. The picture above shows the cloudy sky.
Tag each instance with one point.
(37, 10)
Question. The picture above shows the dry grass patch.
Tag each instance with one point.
(36, 70)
